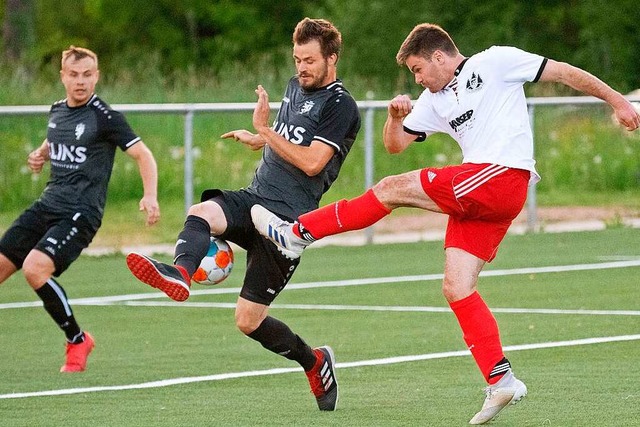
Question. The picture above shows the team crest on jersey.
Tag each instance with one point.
(79, 130)
(474, 83)
(306, 107)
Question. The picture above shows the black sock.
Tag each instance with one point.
(193, 244)
(305, 234)
(500, 369)
(275, 336)
(56, 304)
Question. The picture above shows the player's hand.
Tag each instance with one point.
(628, 116)
(36, 160)
(399, 107)
(150, 206)
(261, 112)
(251, 140)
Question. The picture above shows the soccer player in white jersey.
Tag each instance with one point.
(480, 102)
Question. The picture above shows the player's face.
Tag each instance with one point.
(79, 78)
(429, 73)
(314, 71)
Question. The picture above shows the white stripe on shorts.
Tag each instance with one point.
(475, 181)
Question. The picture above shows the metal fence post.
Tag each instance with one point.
(188, 160)
(532, 204)
(368, 161)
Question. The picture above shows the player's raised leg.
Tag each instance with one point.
(338, 217)
(279, 231)
(173, 280)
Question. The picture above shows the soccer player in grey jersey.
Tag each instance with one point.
(82, 136)
(302, 153)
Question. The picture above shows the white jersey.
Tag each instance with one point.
(484, 108)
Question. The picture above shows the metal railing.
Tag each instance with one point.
(368, 107)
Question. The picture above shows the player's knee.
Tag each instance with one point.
(199, 209)
(246, 323)
(384, 188)
(450, 290)
(454, 290)
(36, 273)
(212, 213)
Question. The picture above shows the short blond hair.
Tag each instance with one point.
(78, 53)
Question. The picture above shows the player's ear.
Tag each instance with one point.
(332, 59)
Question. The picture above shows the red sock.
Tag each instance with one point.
(345, 215)
(480, 332)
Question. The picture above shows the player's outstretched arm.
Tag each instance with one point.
(587, 83)
(149, 174)
(253, 141)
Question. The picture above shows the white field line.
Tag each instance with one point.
(419, 309)
(342, 283)
(277, 371)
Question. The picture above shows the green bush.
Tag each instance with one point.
(578, 148)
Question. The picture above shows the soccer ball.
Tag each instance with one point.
(216, 265)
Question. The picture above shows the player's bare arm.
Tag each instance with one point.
(149, 174)
(38, 157)
(311, 160)
(395, 139)
(587, 83)
(253, 141)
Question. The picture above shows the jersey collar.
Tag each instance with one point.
(454, 81)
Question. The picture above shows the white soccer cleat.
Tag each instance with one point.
(280, 232)
(509, 390)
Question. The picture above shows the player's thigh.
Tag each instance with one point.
(65, 240)
(23, 235)
(404, 190)
(7, 268)
(268, 271)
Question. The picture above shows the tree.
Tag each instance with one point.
(18, 29)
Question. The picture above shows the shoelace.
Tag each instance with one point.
(489, 391)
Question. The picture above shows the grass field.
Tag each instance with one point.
(568, 306)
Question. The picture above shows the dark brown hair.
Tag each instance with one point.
(425, 39)
(321, 30)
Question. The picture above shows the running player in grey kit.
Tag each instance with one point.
(302, 153)
(82, 136)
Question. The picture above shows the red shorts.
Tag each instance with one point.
(481, 200)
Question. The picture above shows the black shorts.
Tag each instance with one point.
(268, 271)
(61, 236)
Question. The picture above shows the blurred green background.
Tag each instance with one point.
(157, 51)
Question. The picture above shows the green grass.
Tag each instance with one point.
(593, 384)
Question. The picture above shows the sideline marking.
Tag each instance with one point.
(372, 362)
(420, 309)
(351, 282)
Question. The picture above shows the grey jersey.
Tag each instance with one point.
(329, 115)
(82, 145)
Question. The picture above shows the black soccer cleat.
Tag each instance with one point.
(170, 279)
(322, 379)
